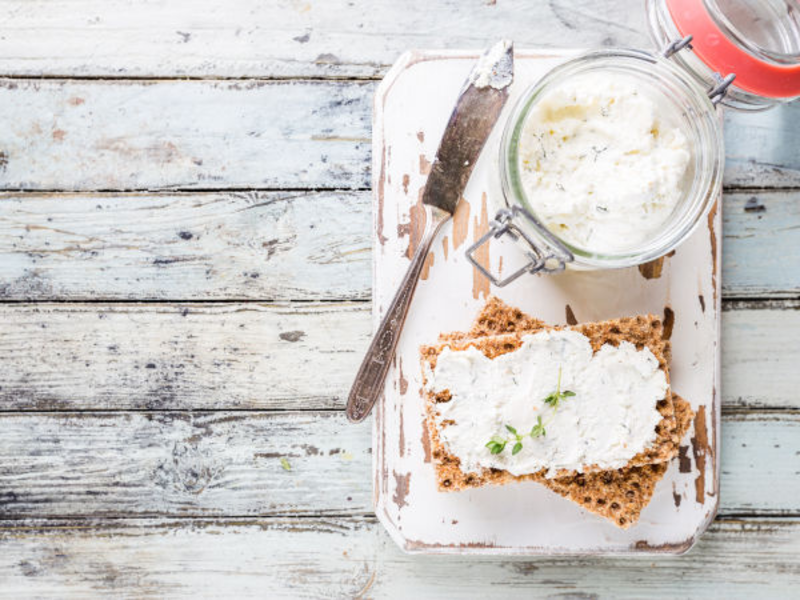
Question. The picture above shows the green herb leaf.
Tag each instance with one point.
(285, 464)
(496, 445)
(511, 429)
(517, 448)
(538, 429)
(553, 399)
(498, 448)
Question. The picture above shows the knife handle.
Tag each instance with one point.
(368, 385)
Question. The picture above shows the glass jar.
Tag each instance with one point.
(754, 39)
(676, 80)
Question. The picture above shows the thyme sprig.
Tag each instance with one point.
(498, 443)
(538, 429)
(557, 396)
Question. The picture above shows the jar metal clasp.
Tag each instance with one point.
(545, 252)
(721, 84)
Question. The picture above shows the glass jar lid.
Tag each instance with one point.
(757, 40)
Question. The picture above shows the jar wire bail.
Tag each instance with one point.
(721, 84)
(545, 253)
(677, 45)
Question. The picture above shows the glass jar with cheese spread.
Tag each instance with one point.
(614, 158)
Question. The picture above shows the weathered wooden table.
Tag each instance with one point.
(185, 284)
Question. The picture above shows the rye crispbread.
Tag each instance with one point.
(618, 495)
(496, 318)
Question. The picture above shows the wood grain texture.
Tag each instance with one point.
(337, 558)
(755, 344)
(262, 356)
(155, 135)
(334, 38)
(236, 245)
(761, 244)
(281, 246)
(202, 356)
(184, 464)
(98, 135)
(148, 135)
(761, 148)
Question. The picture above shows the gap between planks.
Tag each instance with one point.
(729, 303)
(29, 523)
(727, 411)
(66, 192)
(66, 78)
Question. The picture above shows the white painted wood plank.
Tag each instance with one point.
(183, 464)
(179, 356)
(760, 354)
(761, 244)
(761, 148)
(235, 245)
(258, 356)
(338, 558)
(135, 135)
(229, 463)
(759, 461)
(68, 135)
(286, 39)
(282, 246)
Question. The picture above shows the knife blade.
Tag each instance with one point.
(478, 107)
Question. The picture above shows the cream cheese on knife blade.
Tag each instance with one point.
(611, 417)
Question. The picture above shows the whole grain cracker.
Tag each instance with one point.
(618, 495)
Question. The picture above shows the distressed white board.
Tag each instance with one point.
(353, 558)
(177, 246)
(185, 464)
(179, 356)
(411, 109)
(94, 135)
(112, 135)
(761, 244)
(294, 38)
(182, 464)
(761, 147)
(283, 245)
(214, 356)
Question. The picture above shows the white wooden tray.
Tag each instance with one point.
(412, 106)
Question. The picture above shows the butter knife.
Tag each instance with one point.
(479, 105)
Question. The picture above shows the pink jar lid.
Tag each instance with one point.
(722, 55)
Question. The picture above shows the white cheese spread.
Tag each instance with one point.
(611, 418)
(495, 68)
(602, 164)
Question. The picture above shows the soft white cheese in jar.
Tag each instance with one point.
(611, 417)
(602, 163)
